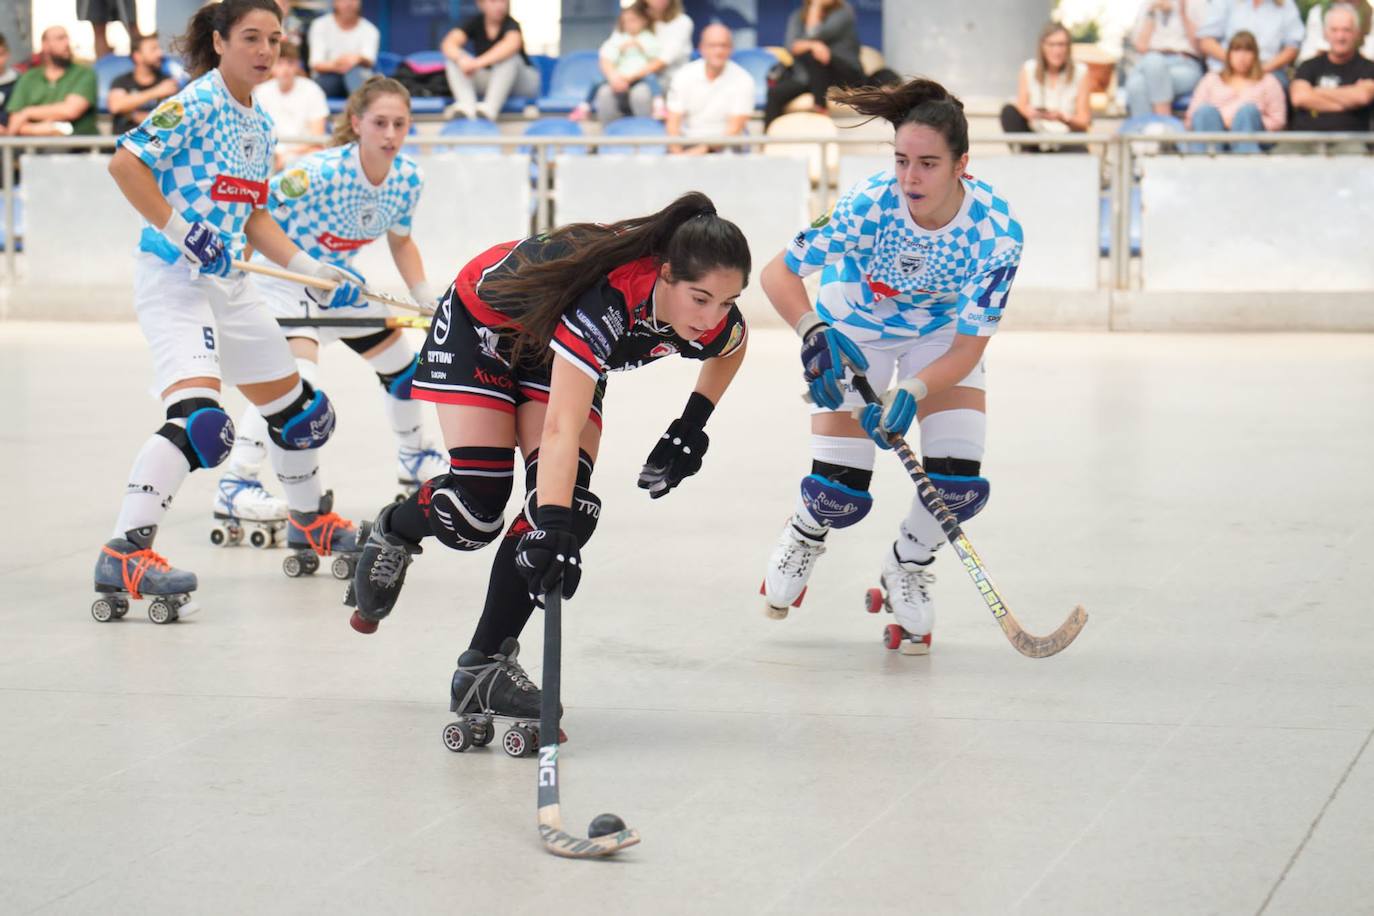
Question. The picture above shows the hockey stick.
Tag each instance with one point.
(253, 267)
(420, 322)
(1025, 643)
(556, 840)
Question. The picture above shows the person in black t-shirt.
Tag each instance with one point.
(496, 66)
(518, 354)
(139, 91)
(1335, 91)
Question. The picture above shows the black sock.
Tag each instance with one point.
(408, 520)
(509, 604)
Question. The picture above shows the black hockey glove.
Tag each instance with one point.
(678, 454)
(548, 555)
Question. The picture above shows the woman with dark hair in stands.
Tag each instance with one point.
(916, 264)
(823, 38)
(517, 356)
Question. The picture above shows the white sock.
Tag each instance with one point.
(299, 473)
(250, 444)
(406, 416)
(157, 474)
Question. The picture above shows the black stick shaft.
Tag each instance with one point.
(548, 706)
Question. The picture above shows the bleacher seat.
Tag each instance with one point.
(555, 127)
(805, 124)
(1182, 102)
(758, 62)
(106, 69)
(634, 127)
(465, 127)
(1105, 223)
(1144, 124)
(387, 62)
(573, 76)
(544, 64)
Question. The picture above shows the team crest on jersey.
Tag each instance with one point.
(253, 146)
(488, 342)
(663, 349)
(371, 221)
(168, 114)
(910, 264)
(295, 183)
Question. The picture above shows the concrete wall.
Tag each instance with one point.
(974, 47)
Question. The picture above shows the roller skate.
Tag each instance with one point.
(416, 465)
(905, 593)
(789, 567)
(380, 574)
(129, 569)
(243, 507)
(311, 535)
(485, 689)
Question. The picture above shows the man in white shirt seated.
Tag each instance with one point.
(297, 106)
(710, 97)
(343, 49)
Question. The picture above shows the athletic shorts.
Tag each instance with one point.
(285, 299)
(101, 11)
(463, 362)
(210, 326)
(892, 361)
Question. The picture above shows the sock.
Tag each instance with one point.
(508, 605)
(406, 416)
(157, 474)
(250, 444)
(299, 473)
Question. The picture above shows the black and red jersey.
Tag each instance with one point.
(609, 327)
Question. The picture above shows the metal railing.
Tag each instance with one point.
(1119, 153)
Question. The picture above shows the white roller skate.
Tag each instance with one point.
(243, 507)
(416, 465)
(905, 593)
(789, 567)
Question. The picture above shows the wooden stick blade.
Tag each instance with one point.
(561, 843)
(1044, 646)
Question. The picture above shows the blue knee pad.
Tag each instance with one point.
(307, 423)
(397, 384)
(834, 503)
(965, 496)
(206, 437)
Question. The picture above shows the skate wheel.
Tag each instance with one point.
(518, 741)
(292, 566)
(482, 732)
(893, 635)
(341, 568)
(259, 539)
(458, 737)
(160, 611)
(873, 600)
(310, 564)
(121, 607)
(235, 534)
(362, 624)
(219, 536)
(103, 610)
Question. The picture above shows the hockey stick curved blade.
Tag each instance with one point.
(1027, 644)
(556, 839)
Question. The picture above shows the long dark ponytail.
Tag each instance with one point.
(197, 46)
(687, 234)
(918, 101)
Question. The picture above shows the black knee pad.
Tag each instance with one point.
(461, 517)
(306, 423)
(207, 434)
(361, 345)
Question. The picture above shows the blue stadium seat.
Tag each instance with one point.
(463, 127)
(387, 62)
(1182, 102)
(106, 69)
(545, 65)
(573, 77)
(1140, 123)
(1104, 223)
(410, 149)
(555, 127)
(634, 127)
(432, 104)
(758, 62)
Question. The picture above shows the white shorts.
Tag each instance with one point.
(288, 300)
(209, 326)
(906, 357)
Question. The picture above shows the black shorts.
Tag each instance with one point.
(466, 362)
(101, 11)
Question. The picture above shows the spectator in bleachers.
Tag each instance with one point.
(55, 98)
(1314, 41)
(1334, 91)
(343, 49)
(628, 59)
(292, 28)
(497, 66)
(296, 105)
(710, 97)
(1276, 25)
(1241, 98)
(1052, 91)
(134, 94)
(8, 77)
(673, 29)
(100, 13)
(1165, 34)
(823, 38)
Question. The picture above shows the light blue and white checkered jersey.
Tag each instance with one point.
(327, 206)
(886, 278)
(211, 155)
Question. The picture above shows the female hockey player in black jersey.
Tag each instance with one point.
(517, 355)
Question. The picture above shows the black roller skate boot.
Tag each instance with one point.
(488, 688)
(381, 572)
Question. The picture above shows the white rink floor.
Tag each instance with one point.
(1202, 748)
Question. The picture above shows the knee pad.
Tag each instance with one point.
(397, 384)
(361, 345)
(306, 423)
(207, 435)
(834, 503)
(964, 491)
(462, 518)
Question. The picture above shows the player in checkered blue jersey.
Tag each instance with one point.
(331, 203)
(197, 168)
(916, 265)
